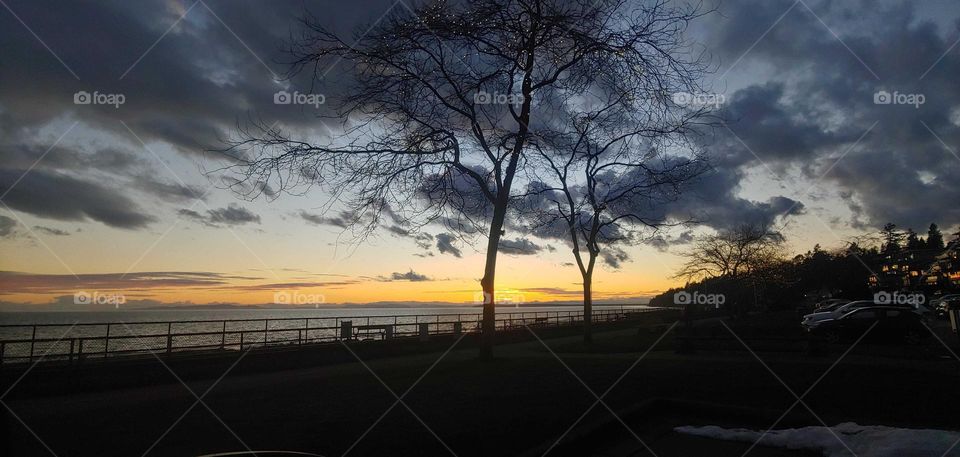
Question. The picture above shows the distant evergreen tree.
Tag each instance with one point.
(892, 238)
(914, 241)
(934, 238)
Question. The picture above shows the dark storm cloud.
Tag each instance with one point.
(221, 61)
(63, 197)
(189, 89)
(818, 101)
(807, 101)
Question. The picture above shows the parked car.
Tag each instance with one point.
(830, 304)
(890, 324)
(835, 311)
(939, 305)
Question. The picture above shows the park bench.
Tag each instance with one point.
(384, 331)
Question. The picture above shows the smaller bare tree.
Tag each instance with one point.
(605, 179)
(736, 253)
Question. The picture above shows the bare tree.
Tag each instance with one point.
(735, 253)
(606, 178)
(441, 104)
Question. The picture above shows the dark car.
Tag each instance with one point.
(890, 324)
(940, 305)
(830, 305)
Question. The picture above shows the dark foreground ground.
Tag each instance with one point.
(526, 402)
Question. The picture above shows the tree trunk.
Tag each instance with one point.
(489, 326)
(587, 309)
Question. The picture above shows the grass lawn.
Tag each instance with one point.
(519, 403)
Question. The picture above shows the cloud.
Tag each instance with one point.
(662, 241)
(614, 257)
(445, 245)
(519, 246)
(809, 113)
(19, 282)
(170, 192)
(231, 215)
(343, 220)
(8, 226)
(50, 231)
(62, 197)
(411, 276)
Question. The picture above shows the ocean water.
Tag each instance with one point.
(194, 314)
(61, 334)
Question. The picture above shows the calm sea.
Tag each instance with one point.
(82, 317)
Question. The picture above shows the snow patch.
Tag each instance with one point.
(863, 440)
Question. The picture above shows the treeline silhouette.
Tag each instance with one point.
(840, 273)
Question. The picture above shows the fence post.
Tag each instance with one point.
(266, 327)
(169, 343)
(33, 340)
(71, 350)
(223, 336)
(80, 351)
(3, 347)
(106, 342)
(241, 339)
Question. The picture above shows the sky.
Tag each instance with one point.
(121, 196)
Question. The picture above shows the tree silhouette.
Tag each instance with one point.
(892, 238)
(604, 178)
(914, 241)
(441, 104)
(934, 238)
(734, 253)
